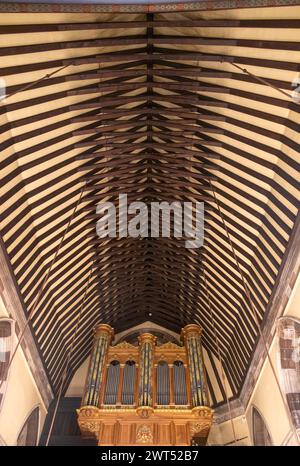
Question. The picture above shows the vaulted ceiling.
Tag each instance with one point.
(148, 104)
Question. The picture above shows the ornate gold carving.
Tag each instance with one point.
(144, 411)
(113, 408)
(88, 411)
(89, 427)
(169, 346)
(105, 329)
(205, 419)
(147, 337)
(190, 330)
(144, 434)
(199, 428)
(124, 345)
(88, 421)
(203, 411)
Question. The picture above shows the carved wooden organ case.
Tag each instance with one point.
(146, 394)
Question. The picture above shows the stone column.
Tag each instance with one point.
(145, 404)
(191, 335)
(103, 335)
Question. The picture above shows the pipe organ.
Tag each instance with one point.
(146, 394)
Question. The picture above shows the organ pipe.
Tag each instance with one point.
(103, 334)
(191, 335)
(129, 383)
(147, 342)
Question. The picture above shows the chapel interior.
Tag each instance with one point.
(143, 341)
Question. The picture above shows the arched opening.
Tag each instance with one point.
(6, 339)
(180, 394)
(128, 383)
(261, 436)
(289, 365)
(29, 433)
(163, 383)
(112, 383)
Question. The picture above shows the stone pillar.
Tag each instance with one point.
(145, 404)
(191, 335)
(103, 335)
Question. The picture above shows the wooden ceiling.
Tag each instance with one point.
(148, 104)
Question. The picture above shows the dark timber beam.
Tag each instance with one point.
(190, 23)
(103, 87)
(109, 73)
(119, 57)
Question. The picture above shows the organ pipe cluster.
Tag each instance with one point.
(151, 376)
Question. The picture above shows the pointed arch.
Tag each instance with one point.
(288, 334)
(29, 433)
(260, 432)
(7, 331)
